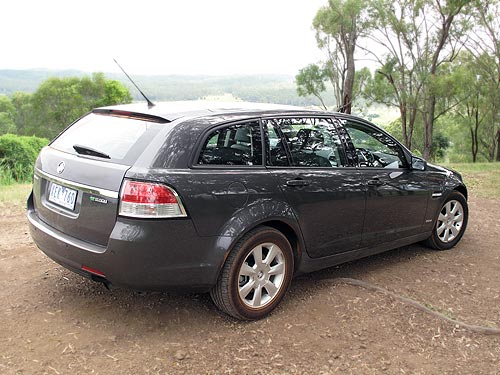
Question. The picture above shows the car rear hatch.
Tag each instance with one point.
(78, 176)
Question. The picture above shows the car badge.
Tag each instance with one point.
(98, 200)
(60, 167)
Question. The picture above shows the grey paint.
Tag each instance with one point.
(338, 215)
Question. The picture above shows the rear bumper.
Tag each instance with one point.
(141, 254)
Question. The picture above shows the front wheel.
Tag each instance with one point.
(255, 276)
(450, 223)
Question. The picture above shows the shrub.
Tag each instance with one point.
(17, 156)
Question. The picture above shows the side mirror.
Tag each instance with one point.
(418, 164)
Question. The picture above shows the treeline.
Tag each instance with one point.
(266, 88)
(28, 121)
(57, 103)
(437, 61)
(17, 156)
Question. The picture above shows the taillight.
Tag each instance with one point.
(149, 200)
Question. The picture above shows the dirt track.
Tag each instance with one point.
(55, 322)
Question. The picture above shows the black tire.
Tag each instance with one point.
(439, 240)
(226, 293)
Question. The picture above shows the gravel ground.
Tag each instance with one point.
(55, 322)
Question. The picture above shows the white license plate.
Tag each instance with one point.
(62, 196)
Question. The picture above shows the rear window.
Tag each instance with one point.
(121, 139)
(239, 144)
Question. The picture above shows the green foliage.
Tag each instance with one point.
(7, 113)
(441, 144)
(473, 122)
(338, 27)
(17, 156)
(24, 114)
(60, 101)
(340, 17)
(311, 81)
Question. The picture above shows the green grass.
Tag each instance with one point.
(482, 179)
(14, 194)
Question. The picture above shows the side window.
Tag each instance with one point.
(311, 142)
(374, 148)
(238, 144)
(276, 155)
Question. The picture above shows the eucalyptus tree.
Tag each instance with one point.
(484, 44)
(338, 27)
(311, 81)
(470, 90)
(415, 38)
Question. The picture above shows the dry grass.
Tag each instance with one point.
(14, 194)
(482, 179)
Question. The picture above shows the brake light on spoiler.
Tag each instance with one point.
(149, 200)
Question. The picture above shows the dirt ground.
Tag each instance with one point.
(56, 322)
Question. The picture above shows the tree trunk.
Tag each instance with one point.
(411, 125)
(498, 145)
(349, 80)
(402, 112)
(475, 138)
(430, 104)
(428, 118)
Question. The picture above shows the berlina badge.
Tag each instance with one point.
(98, 200)
(60, 167)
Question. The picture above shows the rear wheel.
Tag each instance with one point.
(255, 276)
(450, 223)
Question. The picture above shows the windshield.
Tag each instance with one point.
(121, 139)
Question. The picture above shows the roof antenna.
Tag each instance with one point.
(150, 103)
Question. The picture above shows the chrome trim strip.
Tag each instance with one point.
(436, 195)
(75, 185)
(38, 224)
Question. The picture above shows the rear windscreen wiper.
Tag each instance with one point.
(84, 150)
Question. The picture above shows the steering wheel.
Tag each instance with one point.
(365, 157)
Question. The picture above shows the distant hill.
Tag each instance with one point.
(279, 89)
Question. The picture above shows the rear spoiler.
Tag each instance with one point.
(132, 115)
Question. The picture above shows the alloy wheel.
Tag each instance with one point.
(261, 275)
(450, 220)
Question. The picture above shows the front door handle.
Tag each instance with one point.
(375, 182)
(297, 182)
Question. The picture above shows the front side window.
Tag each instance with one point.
(239, 144)
(311, 142)
(374, 148)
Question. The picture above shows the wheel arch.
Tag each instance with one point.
(463, 190)
(292, 237)
(290, 231)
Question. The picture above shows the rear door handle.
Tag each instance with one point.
(297, 182)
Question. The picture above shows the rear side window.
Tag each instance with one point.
(118, 139)
(239, 144)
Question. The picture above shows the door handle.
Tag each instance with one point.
(297, 182)
(375, 182)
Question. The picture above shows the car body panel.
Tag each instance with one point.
(325, 219)
(96, 205)
(139, 254)
(396, 204)
(330, 206)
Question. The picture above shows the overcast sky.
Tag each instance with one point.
(160, 37)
